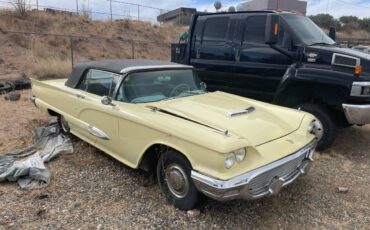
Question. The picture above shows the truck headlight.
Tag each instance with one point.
(240, 155)
(230, 160)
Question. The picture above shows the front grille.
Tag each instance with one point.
(260, 183)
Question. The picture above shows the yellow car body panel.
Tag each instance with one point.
(197, 126)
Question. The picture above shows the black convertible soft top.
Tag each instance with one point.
(114, 66)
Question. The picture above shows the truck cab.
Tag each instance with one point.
(281, 58)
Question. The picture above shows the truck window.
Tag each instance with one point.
(215, 31)
(255, 29)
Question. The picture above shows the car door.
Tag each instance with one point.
(99, 122)
(212, 52)
(259, 68)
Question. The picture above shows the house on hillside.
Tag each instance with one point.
(180, 16)
(284, 5)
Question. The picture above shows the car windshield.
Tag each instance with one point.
(307, 31)
(152, 86)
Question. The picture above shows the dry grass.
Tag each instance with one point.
(32, 54)
(51, 68)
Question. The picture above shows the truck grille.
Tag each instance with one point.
(345, 60)
(260, 183)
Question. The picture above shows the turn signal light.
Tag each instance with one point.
(358, 70)
(276, 29)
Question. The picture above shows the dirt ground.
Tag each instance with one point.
(91, 190)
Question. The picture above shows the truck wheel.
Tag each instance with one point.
(326, 130)
(173, 173)
(63, 125)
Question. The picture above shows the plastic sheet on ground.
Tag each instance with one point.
(27, 166)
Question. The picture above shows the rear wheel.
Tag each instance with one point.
(63, 125)
(173, 173)
(326, 128)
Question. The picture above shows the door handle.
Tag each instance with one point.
(80, 96)
(198, 53)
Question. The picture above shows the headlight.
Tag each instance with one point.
(230, 160)
(311, 127)
(240, 155)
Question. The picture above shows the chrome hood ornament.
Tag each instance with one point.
(240, 112)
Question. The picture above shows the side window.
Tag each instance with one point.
(215, 31)
(255, 29)
(99, 82)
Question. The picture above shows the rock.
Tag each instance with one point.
(193, 213)
(342, 190)
(13, 96)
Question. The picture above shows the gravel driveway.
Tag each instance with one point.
(91, 190)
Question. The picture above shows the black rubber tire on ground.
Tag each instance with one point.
(328, 122)
(5, 87)
(21, 84)
(193, 196)
(63, 125)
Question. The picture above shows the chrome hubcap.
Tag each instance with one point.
(64, 124)
(177, 181)
(318, 130)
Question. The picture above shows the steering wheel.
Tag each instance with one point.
(179, 89)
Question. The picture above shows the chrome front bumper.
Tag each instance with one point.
(357, 114)
(264, 181)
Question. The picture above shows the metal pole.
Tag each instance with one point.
(77, 6)
(111, 13)
(37, 5)
(132, 49)
(138, 12)
(71, 46)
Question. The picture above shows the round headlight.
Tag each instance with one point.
(230, 160)
(240, 155)
(311, 127)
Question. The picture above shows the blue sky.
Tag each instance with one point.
(360, 8)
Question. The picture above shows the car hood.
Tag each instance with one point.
(263, 123)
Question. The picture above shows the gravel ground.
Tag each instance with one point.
(91, 190)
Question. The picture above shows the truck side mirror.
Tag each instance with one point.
(272, 29)
(333, 33)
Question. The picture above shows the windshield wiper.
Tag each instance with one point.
(321, 44)
(189, 92)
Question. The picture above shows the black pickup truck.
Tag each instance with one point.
(282, 58)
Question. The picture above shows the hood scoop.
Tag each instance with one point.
(240, 112)
(156, 109)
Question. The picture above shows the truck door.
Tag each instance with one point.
(212, 52)
(259, 68)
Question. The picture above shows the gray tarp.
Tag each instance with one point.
(27, 166)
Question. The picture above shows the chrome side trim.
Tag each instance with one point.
(240, 186)
(134, 68)
(357, 114)
(358, 60)
(97, 132)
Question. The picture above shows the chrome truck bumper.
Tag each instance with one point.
(264, 181)
(357, 114)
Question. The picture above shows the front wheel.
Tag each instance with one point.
(325, 126)
(173, 173)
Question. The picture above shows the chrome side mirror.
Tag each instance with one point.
(107, 101)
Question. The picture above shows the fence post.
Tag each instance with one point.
(132, 49)
(71, 46)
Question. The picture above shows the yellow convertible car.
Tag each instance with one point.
(157, 115)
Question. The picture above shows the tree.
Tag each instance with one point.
(323, 20)
(348, 19)
(365, 24)
(21, 7)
